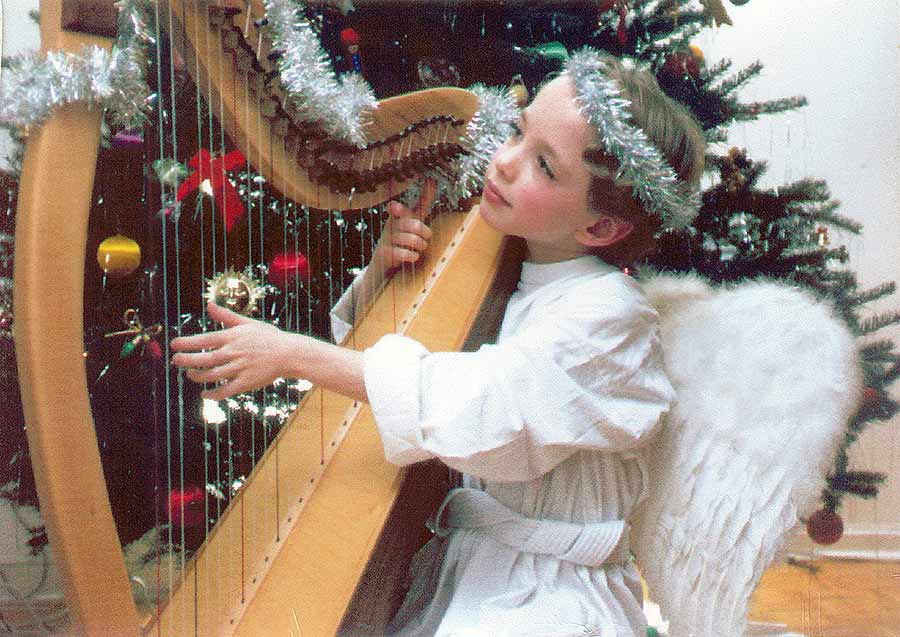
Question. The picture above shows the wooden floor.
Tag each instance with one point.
(843, 599)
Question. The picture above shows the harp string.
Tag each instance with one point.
(165, 283)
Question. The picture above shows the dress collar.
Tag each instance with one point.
(539, 274)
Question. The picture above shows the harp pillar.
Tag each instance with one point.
(51, 226)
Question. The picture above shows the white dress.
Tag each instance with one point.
(547, 422)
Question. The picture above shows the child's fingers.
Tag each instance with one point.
(214, 374)
(409, 240)
(226, 316)
(398, 210)
(234, 385)
(423, 205)
(200, 360)
(197, 342)
(411, 225)
(402, 255)
(426, 198)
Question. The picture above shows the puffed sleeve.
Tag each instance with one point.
(586, 374)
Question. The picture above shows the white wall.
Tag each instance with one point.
(20, 33)
(843, 56)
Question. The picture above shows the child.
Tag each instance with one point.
(544, 424)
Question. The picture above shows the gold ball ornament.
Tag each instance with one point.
(697, 52)
(236, 291)
(519, 91)
(118, 255)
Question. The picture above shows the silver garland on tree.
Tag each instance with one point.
(35, 84)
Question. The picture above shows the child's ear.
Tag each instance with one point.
(605, 232)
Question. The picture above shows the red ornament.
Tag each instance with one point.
(288, 267)
(681, 64)
(186, 506)
(349, 37)
(213, 169)
(622, 32)
(825, 527)
(350, 40)
(870, 395)
(155, 349)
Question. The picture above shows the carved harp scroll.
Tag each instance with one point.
(329, 487)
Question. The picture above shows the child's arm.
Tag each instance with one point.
(249, 354)
(404, 238)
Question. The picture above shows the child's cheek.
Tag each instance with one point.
(533, 202)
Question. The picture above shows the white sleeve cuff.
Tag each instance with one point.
(391, 371)
(344, 311)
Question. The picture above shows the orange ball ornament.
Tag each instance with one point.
(697, 52)
(519, 91)
(118, 255)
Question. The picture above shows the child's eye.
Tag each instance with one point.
(516, 131)
(545, 166)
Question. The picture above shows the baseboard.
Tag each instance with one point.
(857, 543)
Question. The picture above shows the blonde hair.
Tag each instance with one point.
(671, 129)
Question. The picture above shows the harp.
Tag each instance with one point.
(306, 546)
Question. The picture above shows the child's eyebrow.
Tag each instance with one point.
(548, 148)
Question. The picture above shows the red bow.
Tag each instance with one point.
(214, 168)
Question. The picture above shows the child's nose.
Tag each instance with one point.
(505, 161)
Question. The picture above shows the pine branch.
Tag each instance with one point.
(805, 190)
(875, 323)
(816, 257)
(825, 214)
(842, 278)
(878, 351)
(716, 135)
(881, 410)
(863, 484)
(873, 294)
(717, 69)
(892, 374)
(729, 85)
(749, 112)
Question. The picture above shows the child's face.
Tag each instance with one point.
(537, 182)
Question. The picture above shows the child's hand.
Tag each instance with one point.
(405, 236)
(247, 355)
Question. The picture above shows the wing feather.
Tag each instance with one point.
(767, 378)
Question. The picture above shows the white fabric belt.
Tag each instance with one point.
(588, 544)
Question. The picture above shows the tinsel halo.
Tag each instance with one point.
(653, 180)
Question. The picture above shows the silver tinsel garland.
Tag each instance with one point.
(653, 181)
(486, 132)
(339, 104)
(33, 84)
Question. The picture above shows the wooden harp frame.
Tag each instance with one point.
(308, 558)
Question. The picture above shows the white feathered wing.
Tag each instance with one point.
(766, 378)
